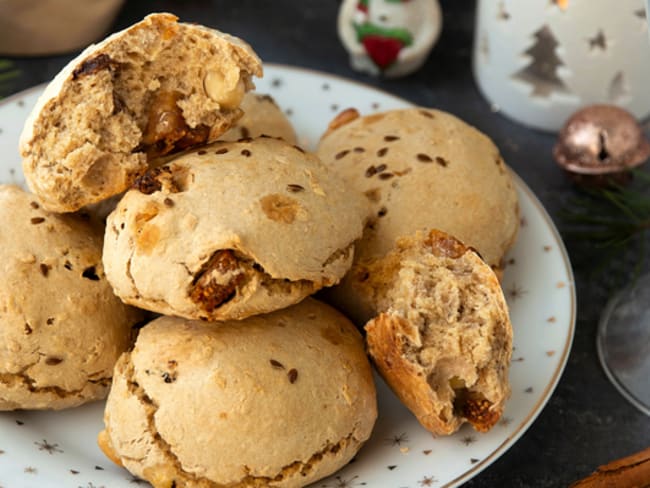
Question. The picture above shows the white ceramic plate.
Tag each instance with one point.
(57, 449)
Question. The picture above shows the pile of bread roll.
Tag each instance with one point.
(175, 234)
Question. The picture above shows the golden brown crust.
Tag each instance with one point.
(443, 339)
(386, 339)
(345, 117)
(104, 443)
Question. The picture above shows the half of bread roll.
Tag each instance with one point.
(443, 340)
(155, 88)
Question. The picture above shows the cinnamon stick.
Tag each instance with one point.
(628, 472)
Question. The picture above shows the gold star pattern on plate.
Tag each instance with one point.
(46, 446)
(515, 291)
(398, 440)
(468, 439)
(427, 481)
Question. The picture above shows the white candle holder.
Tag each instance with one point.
(538, 61)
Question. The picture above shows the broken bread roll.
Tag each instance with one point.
(419, 169)
(443, 341)
(262, 116)
(231, 230)
(61, 327)
(155, 88)
(243, 404)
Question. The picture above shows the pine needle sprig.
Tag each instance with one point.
(602, 225)
(7, 73)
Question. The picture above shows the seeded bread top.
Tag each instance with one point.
(62, 327)
(241, 217)
(419, 169)
(422, 169)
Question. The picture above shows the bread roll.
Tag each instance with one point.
(231, 230)
(279, 400)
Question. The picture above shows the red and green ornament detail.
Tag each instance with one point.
(383, 44)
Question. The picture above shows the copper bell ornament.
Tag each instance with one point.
(599, 144)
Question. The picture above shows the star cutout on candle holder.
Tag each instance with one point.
(563, 4)
(598, 41)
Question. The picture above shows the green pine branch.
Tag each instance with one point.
(604, 225)
(7, 73)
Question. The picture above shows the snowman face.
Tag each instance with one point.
(389, 37)
(404, 14)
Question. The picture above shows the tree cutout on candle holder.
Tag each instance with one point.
(618, 88)
(542, 70)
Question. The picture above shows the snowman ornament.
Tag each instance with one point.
(390, 38)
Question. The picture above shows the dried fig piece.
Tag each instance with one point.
(166, 130)
(217, 283)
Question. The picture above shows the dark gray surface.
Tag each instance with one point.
(586, 423)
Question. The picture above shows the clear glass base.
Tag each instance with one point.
(623, 342)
